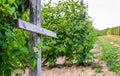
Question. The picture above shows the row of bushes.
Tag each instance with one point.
(68, 18)
(75, 34)
(110, 31)
(115, 30)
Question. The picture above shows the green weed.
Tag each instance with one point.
(98, 70)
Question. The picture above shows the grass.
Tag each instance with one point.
(98, 71)
(111, 54)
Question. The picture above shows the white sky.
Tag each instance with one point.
(105, 13)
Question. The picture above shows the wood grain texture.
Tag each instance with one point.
(34, 37)
(33, 28)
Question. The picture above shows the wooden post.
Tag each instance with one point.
(35, 30)
(81, 2)
(35, 6)
(82, 11)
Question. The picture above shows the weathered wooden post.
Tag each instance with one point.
(35, 6)
(81, 2)
(83, 13)
(35, 27)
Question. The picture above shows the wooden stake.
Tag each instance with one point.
(34, 38)
(35, 30)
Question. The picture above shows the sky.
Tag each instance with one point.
(104, 13)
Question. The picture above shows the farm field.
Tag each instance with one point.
(55, 39)
(103, 65)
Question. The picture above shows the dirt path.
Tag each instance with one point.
(102, 69)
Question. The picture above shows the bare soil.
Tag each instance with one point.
(115, 38)
(62, 70)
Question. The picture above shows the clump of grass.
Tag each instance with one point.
(98, 71)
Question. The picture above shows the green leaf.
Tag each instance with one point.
(35, 49)
(11, 1)
(7, 72)
(11, 10)
(9, 35)
(6, 6)
(33, 64)
(25, 50)
(15, 15)
(15, 4)
(15, 52)
(1, 36)
(36, 56)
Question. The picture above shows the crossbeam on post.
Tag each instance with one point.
(33, 28)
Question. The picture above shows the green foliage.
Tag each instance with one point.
(75, 34)
(33, 63)
(110, 31)
(101, 32)
(111, 55)
(14, 51)
(98, 71)
(115, 30)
